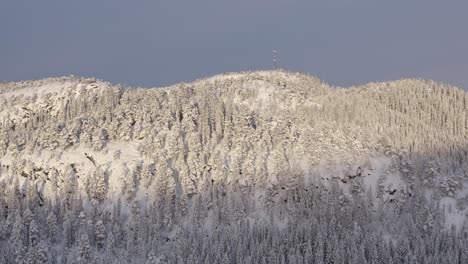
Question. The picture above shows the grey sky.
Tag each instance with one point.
(156, 43)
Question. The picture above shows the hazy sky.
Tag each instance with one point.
(156, 43)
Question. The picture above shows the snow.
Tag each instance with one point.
(49, 88)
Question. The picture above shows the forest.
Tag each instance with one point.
(250, 167)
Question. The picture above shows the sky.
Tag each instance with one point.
(158, 43)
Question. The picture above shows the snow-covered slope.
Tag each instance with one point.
(267, 133)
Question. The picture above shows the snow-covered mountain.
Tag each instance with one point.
(135, 175)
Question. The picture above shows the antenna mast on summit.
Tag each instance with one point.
(275, 59)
